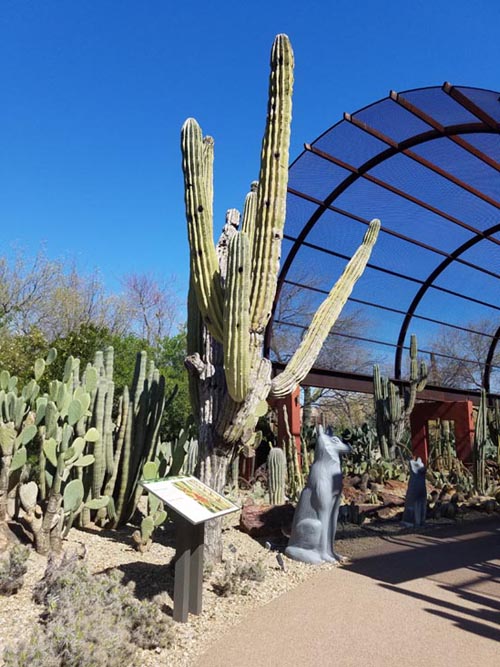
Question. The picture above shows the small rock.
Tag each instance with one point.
(397, 487)
(391, 499)
(266, 520)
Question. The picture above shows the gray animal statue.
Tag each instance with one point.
(416, 495)
(315, 519)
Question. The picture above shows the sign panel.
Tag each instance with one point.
(190, 498)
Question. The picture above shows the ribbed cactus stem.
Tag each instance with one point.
(193, 344)
(204, 265)
(208, 172)
(273, 179)
(192, 457)
(237, 318)
(250, 212)
(325, 317)
(394, 404)
(480, 439)
(276, 469)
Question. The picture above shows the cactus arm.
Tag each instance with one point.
(249, 212)
(236, 341)
(208, 171)
(325, 317)
(194, 344)
(204, 264)
(273, 179)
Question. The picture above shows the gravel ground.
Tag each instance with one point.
(152, 574)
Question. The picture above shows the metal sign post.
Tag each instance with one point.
(188, 581)
(192, 503)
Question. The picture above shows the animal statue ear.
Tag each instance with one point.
(319, 428)
(329, 431)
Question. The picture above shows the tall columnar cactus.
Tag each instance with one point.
(393, 410)
(233, 285)
(480, 444)
(276, 471)
(494, 427)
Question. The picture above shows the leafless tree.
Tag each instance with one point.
(153, 305)
(459, 357)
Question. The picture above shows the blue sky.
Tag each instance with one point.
(94, 94)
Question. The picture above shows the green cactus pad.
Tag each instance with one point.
(28, 494)
(159, 517)
(73, 495)
(150, 470)
(147, 527)
(51, 356)
(4, 380)
(86, 460)
(91, 379)
(39, 368)
(28, 433)
(50, 451)
(7, 438)
(75, 412)
(19, 459)
(98, 503)
(92, 435)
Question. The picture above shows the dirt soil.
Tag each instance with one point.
(152, 575)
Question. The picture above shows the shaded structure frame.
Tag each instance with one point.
(482, 123)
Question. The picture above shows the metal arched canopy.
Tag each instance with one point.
(426, 162)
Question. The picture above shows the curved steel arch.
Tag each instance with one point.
(437, 131)
(428, 283)
(489, 360)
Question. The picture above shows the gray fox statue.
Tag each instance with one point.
(416, 495)
(315, 519)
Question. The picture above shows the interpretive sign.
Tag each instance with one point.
(192, 504)
(190, 498)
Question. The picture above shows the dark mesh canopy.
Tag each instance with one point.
(426, 162)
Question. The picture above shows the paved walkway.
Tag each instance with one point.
(415, 600)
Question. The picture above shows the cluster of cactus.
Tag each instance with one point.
(362, 440)
(233, 286)
(19, 416)
(89, 461)
(442, 452)
(294, 463)
(393, 410)
(172, 458)
(287, 469)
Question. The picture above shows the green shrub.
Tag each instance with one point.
(89, 620)
(236, 576)
(12, 569)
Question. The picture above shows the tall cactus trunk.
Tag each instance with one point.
(233, 287)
